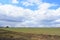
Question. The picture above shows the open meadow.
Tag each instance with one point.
(29, 33)
(48, 31)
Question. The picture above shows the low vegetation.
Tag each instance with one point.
(48, 31)
(28, 34)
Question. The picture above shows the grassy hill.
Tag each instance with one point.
(48, 31)
(25, 34)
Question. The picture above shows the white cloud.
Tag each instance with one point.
(27, 3)
(10, 13)
(15, 1)
(57, 20)
(35, 1)
(31, 2)
(11, 10)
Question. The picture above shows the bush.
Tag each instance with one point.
(7, 26)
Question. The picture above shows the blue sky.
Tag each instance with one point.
(52, 1)
(30, 13)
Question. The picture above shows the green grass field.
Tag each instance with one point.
(47, 31)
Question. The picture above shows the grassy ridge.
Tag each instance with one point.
(49, 31)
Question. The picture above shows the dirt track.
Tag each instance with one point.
(10, 35)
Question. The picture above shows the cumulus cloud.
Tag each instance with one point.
(21, 17)
(31, 2)
(15, 1)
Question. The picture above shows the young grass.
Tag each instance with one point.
(47, 31)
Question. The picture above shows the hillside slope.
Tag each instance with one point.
(11, 35)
